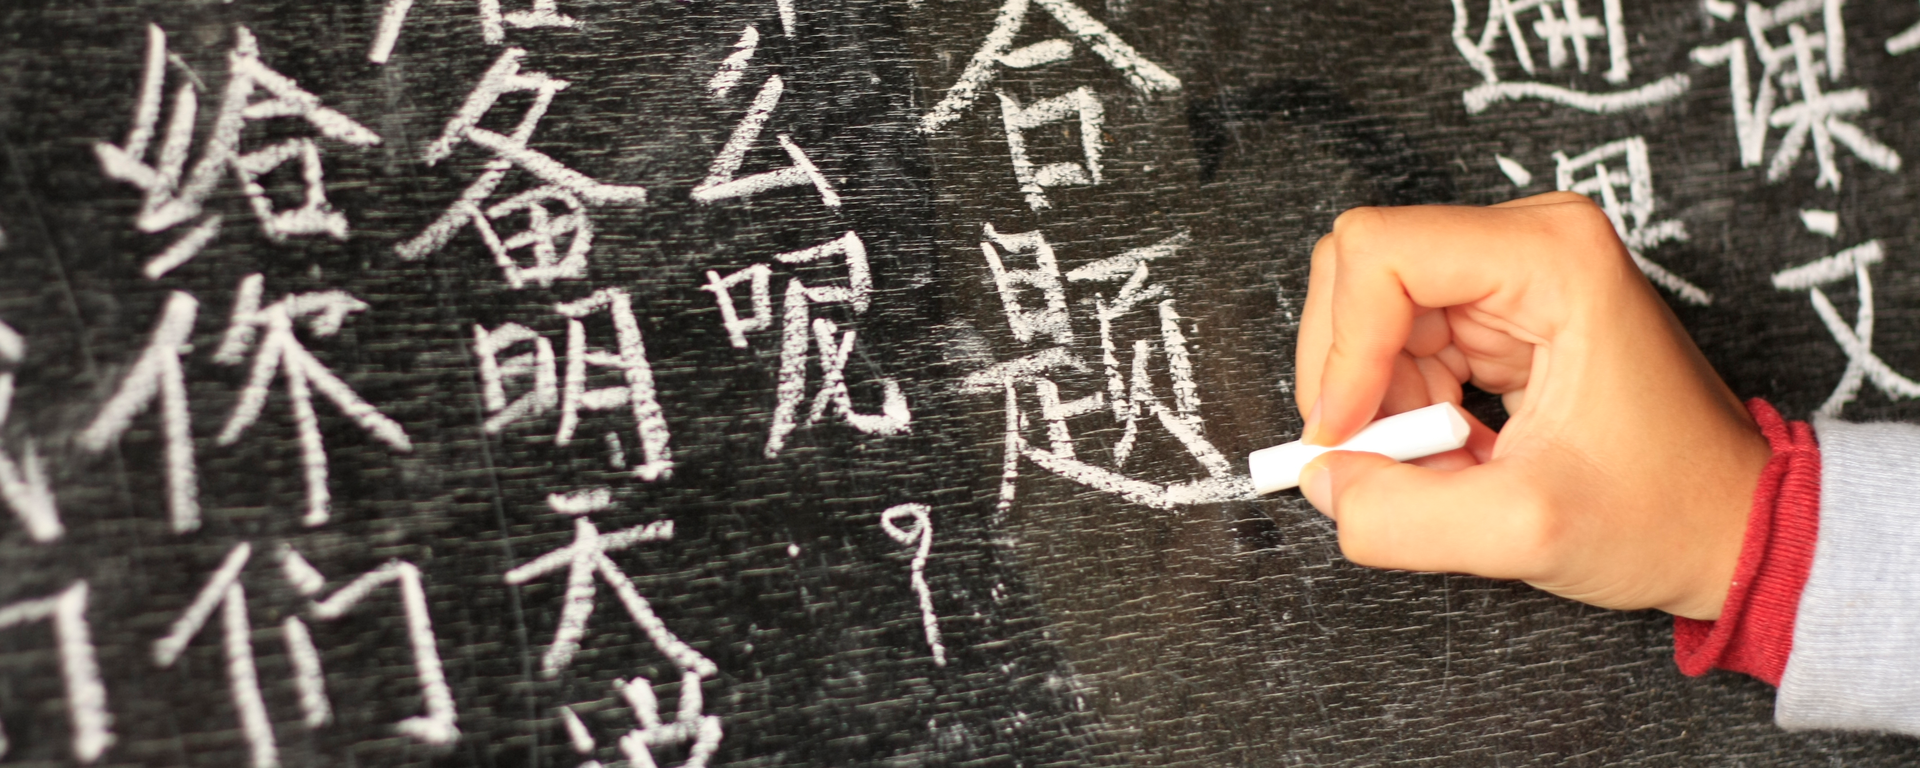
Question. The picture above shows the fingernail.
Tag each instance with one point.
(1316, 483)
(1313, 423)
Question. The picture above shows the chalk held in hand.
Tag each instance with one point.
(1416, 434)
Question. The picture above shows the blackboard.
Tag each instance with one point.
(704, 382)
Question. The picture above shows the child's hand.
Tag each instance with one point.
(1623, 477)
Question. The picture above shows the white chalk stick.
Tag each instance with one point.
(1416, 434)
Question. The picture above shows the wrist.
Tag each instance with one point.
(1754, 631)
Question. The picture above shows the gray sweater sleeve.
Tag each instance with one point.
(1856, 638)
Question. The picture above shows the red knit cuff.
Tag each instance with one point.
(1754, 633)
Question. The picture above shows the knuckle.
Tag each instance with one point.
(1357, 226)
(1578, 217)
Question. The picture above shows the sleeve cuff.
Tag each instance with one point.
(1754, 634)
(1854, 665)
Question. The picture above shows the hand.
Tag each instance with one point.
(1626, 470)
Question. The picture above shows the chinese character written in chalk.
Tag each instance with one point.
(493, 23)
(803, 336)
(1801, 46)
(224, 592)
(23, 484)
(1033, 294)
(1573, 37)
(1077, 106)
(585, 563)
(1855, 339)
(558, 233)
(172, 193)
(1619, 176)
(268, 333)
(545, 389)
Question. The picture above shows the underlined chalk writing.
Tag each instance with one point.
(1573, 36)
(1799, 44)
(557, 242)
(1619, 176)
(1131, 394)
(268, 332)
(172, 194)
(919, 537)
(157, 375)
(23, 481)
(86, 695)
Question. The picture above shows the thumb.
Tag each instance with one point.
(1482, 519)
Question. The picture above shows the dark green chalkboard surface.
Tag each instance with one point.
(785, 383)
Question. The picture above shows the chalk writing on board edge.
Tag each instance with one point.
(997, 51)
(23, 481)
(1796, 65)
(1855, 340)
